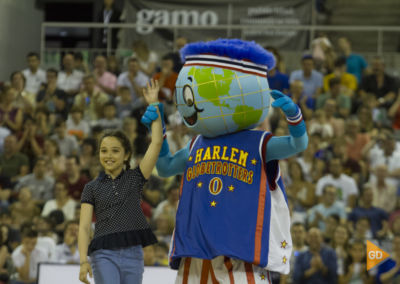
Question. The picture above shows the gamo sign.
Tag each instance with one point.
(178, 17)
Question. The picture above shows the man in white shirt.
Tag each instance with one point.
(386, 152)
(67, 252)
(70, 79)
(347, 190)
(134, 79)
(34, 76)
(27, 256)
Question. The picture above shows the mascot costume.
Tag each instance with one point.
(232, 223)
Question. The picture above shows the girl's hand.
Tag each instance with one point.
(85, 269)
(151, 92)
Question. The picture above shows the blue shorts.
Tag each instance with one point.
(124, 266)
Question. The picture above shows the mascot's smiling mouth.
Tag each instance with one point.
(188, 98)
(191, 120)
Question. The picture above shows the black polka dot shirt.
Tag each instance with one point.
(119, 218)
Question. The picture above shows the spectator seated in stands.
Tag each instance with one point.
(73, 178)
(69, 80)
(34, 75)
(355, 140)
(331, 112)
(384, 194)
(348, 82)
(166, 79)
(161, 254)
(11, 235)
(318, 214)
(385, 150)
(164, 227)
(168, 206)
(61, 202)
(276, 79)
(91, 99)
(39, 182)
(146, 58)
(67, 144)
(105, 80)
(47, 238)
(55, 162)
(13, 164)
(67, 252)
(123, 102)
(319, 124)
(334, 92)
(298, 232)
(340, 243)
(356, 268)
(79, 63)
(317, 264)
(347, 190)
(306, 104)
(380, 84)
(312, 79)
(355, 63)
(6, 265)
(11, 115)
(149, 256)
(30, 139)
(26, 258)
(302, 191)
(377, 217)
(76, 125)
(87, 157)
(25, 209)
(24, 100)
(110, 119)
(135, 80)
(50, 93)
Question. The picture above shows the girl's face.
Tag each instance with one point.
(357, 252)
(112, 155)
(340, 235)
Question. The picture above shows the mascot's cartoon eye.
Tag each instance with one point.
(188, 96)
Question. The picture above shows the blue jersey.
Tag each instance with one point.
(232, 203)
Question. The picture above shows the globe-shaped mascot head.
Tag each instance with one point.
(222, 87)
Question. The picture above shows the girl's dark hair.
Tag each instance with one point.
(123, 139)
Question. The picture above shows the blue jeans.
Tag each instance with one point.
(121, 266)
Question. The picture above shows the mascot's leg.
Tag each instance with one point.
(220, 270)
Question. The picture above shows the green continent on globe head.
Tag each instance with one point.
(211, 86)
(246, 115)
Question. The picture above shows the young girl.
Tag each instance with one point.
(121, 229)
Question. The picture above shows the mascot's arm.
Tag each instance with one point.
(170, 165)
(167, 165)
(286, 146)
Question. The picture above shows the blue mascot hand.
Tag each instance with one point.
(285, 103)
(149, 116)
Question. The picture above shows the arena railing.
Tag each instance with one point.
(225, 30)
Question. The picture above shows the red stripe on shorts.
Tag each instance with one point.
(186, 269)
(229, 267)
(249, 273)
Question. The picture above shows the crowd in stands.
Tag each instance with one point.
(342, 191)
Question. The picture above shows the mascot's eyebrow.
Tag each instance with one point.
(190, 79)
